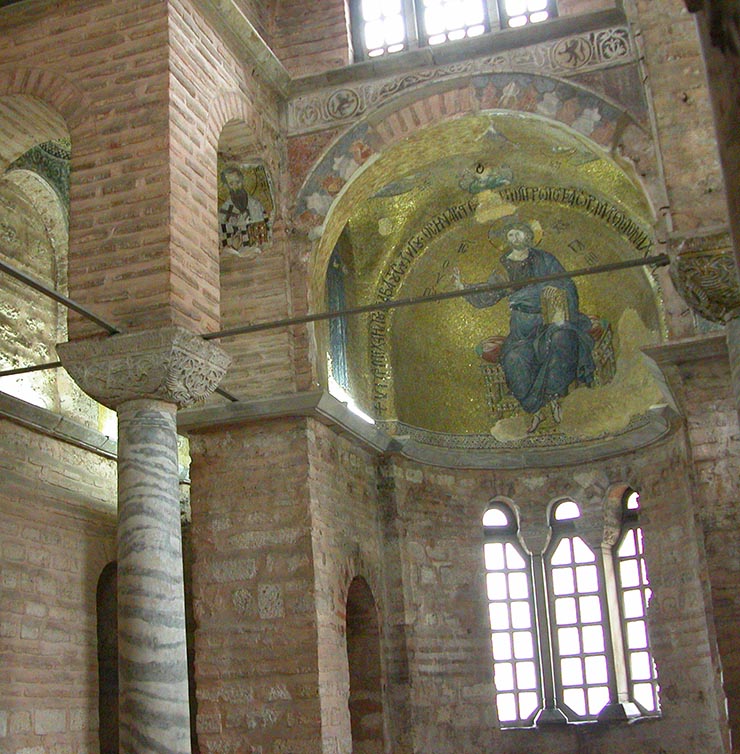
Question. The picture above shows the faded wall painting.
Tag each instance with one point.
(245, 206)
(503, 200)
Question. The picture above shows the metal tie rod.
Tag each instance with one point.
(60, 298)
(658, 260)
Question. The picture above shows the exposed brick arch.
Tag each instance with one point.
(50, 87)
(226, 108)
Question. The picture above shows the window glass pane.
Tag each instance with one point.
(593, 639)
(503, 676)
(562, 581)
(517, 21)
(499, 615)
(576, 700)
(472, 12)
(565, 610)
(496, 583)
(476, 31)
(457, 34)
(526, 677)
(371, 10)
(640, 666)
(587, 579)
(495, 517)
(518, 586)
(434, 21)
(598, 698)
(534, 5)
(627, 548)
(633, 604)
(493, 552)
(536, 18)
(636, 635)
(590, 609)
(506, 707)
(582, 553)
(628, 573)
(571, 671)
(374, 34)
(389, 7)
(520, 615)
(528, 703)
(523, 645)
(566, 511)
(569, 641)
(562, 554)
(513, 559)
(515, 7)
(394, 30)
(644, 695)
(501, 646)
(633, 501)
(596, 669)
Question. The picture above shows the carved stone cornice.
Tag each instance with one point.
(169, 364)
(704, 273)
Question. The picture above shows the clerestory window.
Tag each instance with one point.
(384, 27)
(569, 633)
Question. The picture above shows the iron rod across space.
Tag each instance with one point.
(58, 297)
(658, 260)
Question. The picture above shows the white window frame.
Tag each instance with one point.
(621, 704)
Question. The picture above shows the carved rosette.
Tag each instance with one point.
(168, 364)
(704, 273)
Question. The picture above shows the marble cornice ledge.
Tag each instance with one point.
(230, 20)
(168, 364)
(664, 361)
(317, 404)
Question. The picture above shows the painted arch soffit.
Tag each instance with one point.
(546, 370)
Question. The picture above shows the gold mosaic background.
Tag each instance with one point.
(480, 163)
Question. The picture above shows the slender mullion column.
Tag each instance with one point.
(152, 666)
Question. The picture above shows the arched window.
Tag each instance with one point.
(569, 631)
(634, 596)
(511, 609)
(578, 616)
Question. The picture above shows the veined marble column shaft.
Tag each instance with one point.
(145, 376)
(152, 651)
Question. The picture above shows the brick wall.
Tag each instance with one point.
(450, 668)
(346, 537)
(715, 455)
(57, 531)
(312, 37)
(253, 591)
(684, 125)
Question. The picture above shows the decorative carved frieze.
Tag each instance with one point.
(704, 273)
(559, 57)
(169, 364)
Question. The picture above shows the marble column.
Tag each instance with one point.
(145, 376)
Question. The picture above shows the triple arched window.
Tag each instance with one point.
(569, 632)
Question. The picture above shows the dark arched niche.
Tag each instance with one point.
(365, 674)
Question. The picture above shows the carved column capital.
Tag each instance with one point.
(168, 364)
(704, 273)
